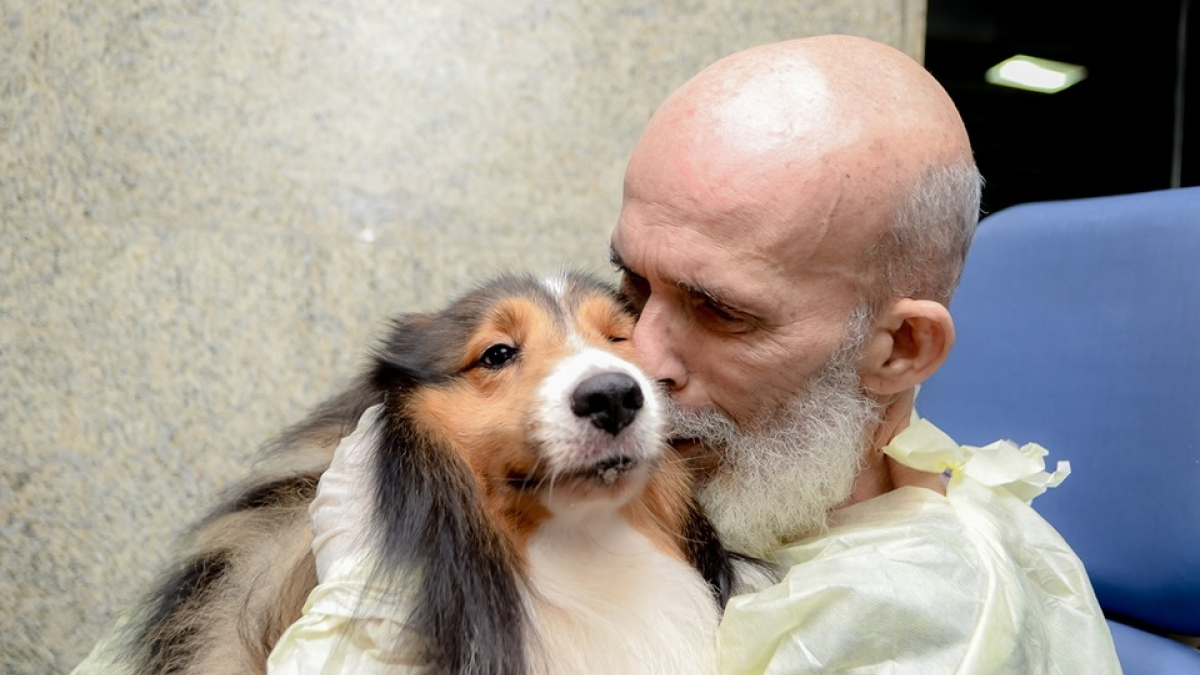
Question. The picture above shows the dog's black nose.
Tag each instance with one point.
(611, 400)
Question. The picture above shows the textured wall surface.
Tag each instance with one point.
(208, 207)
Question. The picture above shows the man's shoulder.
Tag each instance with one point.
(902, 589)
(911, 561)
(905, 527)
(962, 548)
(921, 583)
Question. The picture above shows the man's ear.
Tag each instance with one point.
(909, 341)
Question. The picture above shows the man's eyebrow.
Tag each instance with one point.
(713, 296)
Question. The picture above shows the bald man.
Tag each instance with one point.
(795, 220)
(798, 214)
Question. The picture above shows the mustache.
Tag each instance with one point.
(710, 427)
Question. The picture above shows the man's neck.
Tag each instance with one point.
(881, 474)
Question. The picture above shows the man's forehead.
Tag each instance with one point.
(793, 212)
(757, 268)
(815, 227)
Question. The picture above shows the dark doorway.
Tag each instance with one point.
(1114, 132)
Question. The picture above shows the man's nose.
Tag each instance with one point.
(656, 347)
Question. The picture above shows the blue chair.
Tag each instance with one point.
(1079, 328)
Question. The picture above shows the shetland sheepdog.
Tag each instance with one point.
(521, 472)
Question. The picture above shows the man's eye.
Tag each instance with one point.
(497, 356)
(714, 313)
(636, 289)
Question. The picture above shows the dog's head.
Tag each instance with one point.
(531, 383)
(517, 405)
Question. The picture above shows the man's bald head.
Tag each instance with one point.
(794, 218)
(838, 135)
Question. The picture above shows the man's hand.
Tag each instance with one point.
(341, 511)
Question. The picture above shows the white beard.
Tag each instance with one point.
(778, 480)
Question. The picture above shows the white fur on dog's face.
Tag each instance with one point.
(570, 444)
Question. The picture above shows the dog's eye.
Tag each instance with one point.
(617, 338)
(498, 355)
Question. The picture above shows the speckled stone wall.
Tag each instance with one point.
(208, 207)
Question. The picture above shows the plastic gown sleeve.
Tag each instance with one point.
(107, 656)
(913, 582)
(347, 627)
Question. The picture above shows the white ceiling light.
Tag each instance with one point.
(1034, 74)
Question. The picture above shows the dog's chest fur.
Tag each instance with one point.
(605, 599)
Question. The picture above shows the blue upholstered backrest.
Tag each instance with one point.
(1079, 328)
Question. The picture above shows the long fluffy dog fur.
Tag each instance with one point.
(462, 507)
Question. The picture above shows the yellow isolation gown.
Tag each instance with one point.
(972, 582)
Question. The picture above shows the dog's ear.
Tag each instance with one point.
(467, 607)
(410, 356)
(706, 553)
